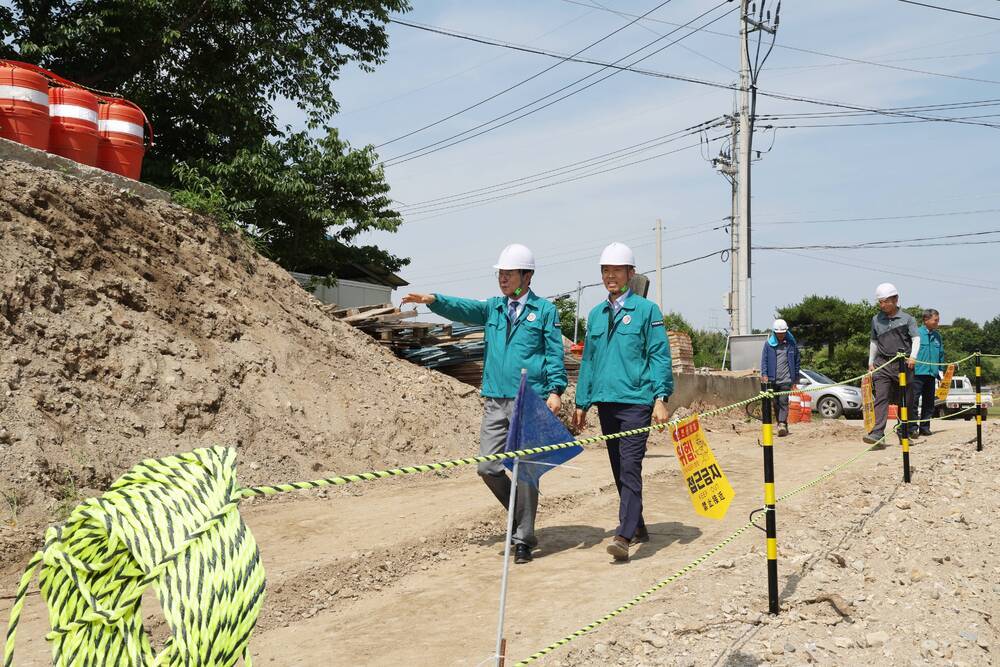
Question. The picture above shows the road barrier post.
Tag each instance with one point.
(979, 402)
(771, 523)
(904, 426)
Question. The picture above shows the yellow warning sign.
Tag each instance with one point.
(710, 491)
(868, 403)
(945, 386)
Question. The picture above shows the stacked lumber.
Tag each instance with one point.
(681, 352)
(453, 349)
(386, 324)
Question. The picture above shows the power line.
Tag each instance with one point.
(675, 77)
(610, 156)
(881, 218)
(953, 11)
(461, 136)
(880, 122)
(545, 186)
(859, 61)
(509, 88)
(882, 271)
(894, 243)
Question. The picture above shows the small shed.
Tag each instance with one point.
(356, 285)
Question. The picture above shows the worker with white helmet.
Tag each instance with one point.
(779, 363)
(521, 332)
(893, 331)
(626, 372)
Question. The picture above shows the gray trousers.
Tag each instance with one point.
(886, 389)
(781, 402)
(492, 440)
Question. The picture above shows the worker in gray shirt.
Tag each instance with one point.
(893, 331)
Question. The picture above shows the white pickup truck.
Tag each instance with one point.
(961, 396)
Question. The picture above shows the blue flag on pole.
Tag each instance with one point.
(534, 425)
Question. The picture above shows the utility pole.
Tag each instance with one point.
(659, 263)
(734, 164)
(576, 318)
(741, 225)
(725, 164)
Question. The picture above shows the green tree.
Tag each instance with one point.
(207, 73)
(826, 321)
(566, 307)
(305, 199)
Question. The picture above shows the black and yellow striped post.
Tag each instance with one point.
(979, 402)
(771, 522)
(904, 427)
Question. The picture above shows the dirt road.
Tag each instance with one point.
(408, 572)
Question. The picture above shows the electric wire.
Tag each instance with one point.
(509, 88)
(949, 9)
(846, 59)
(489, 126)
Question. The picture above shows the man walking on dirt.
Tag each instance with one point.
(521, 332)
(893, 331)
(779, 363)
(930, 362)
(626, 372)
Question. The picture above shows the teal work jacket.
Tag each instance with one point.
(631, 362)
(931, 349)
(533, 342)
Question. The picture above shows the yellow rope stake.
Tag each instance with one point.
(171, 523)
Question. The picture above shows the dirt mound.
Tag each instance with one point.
(131, 328)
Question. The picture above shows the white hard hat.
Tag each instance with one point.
(886, 290)
(617, 254)
(779, 326)
(516, 256)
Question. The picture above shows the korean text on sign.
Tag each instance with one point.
(710, 491)
(868, 403)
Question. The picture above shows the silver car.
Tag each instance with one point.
(830, 402)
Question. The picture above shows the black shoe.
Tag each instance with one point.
(925, 432)
(641, 535)
(522, 554)
(782, 429)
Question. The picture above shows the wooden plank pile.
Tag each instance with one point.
(453, 349)
(681, 352)
(386, 324)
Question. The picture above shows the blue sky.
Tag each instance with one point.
(809, 175)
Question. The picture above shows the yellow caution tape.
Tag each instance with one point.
(172, 524)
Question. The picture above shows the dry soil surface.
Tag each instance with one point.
(132, 328)
(871, 571)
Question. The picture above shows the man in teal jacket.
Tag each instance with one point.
(521, 332)
(930, 356)
(626, 372)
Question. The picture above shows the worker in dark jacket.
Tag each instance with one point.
(779, 363)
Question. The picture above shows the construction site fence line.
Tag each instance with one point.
(340, 480)
(690, 566)
(711, 552)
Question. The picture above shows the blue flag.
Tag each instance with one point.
(534, 425)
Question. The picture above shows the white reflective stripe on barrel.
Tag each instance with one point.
(73, 111)
(23, 94)
(122, 126)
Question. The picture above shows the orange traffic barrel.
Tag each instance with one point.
(73, 133)
(577, 349)
(794, 408)
(24, 106)
(893, 412)
(121, 147)
(807, 408)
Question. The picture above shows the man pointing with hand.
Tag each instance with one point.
(521, 332)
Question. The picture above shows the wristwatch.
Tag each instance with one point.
(663, 398)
